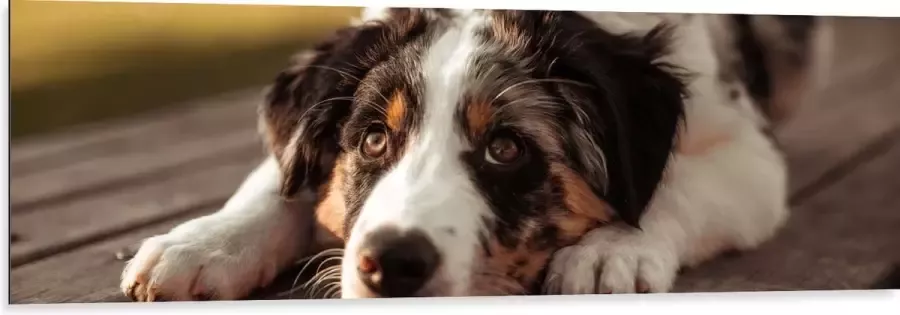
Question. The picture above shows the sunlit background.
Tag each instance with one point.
(78, 62)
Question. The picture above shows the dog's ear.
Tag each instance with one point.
(307, 103)
(624, 123)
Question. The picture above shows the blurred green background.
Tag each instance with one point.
(81, 62)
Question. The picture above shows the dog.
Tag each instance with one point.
(502, 152)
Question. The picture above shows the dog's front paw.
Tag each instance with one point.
(196, 261)
(613, 260)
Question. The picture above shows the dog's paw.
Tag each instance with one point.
(196, 261)
(612, 260)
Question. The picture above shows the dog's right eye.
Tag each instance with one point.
(374, 143)
(504, 149)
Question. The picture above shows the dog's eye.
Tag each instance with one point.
(375, 143)
(503, 150)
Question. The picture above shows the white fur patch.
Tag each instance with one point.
(429, 189)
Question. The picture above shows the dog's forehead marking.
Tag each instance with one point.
(396, 111)
(478, 117)
(446, 68)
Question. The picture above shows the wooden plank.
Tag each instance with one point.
(146, 132)
(845, 237)
(68, 225)
(90, 274)
(108, 172)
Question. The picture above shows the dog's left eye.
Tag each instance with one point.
(503, 150)
(374, 143)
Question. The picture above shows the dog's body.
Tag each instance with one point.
(455, 152)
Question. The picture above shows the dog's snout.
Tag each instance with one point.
(396, 263)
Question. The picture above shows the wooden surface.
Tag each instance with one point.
(80, 197)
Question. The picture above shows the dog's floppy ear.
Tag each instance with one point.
(624, 124)
(305, 106)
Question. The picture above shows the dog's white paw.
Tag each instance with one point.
(613, 260)
(198, 260)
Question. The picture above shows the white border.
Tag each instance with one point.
(881, 8)
(4, 156)
(798, 302)
(803, 302)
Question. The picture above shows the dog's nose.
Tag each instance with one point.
(395, 263)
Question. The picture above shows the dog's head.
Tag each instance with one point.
(459, 150)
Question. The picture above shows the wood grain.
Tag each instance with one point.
(197, 118)
(106, 173)
(88, 219)
(90, 274)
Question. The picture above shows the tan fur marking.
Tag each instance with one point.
(478, 116)
(396, 111)
(330, 211)
(579, 197)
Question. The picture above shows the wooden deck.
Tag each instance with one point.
(79, 198)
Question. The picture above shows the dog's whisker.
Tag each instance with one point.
(573, 82)
(331, 275)
(329, 288)
(322, 102)
(380, 109)
(308, 261)
(332, 251)
(326, 261)
(335, 253)
(322, 255)
(347, 74)
(315, 285)
(339, 71)
(326, 290)
(334, 290)
(321, 279)
(549, 100)
(386, 100)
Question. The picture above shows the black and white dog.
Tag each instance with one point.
(490, 152)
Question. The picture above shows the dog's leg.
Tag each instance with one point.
(726, 192)
(227, 254)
